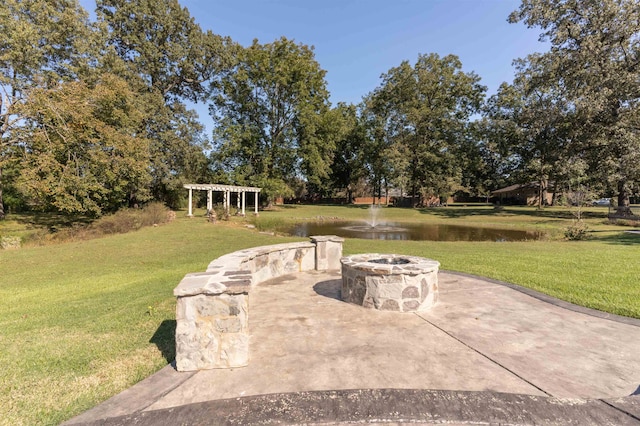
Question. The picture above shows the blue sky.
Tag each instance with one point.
(356, 40)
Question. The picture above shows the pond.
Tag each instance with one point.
(409, 231)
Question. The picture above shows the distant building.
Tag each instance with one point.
(522, 194)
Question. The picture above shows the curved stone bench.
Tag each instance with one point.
(212, 309)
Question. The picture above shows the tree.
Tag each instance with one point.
(594, 56)
(427, 109)
(81, 151)
(535, 116)
(348, 161)
(163, 47)
(270, 113)
(42, 43)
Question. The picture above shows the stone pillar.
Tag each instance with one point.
(212, 317)
(328, 252)
(190, 214)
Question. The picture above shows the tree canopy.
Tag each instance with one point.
(595, 59)
(423, 112)
(270, 117)
(94, 116)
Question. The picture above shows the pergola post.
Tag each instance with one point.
(227, 196)
(190, 214)
(238, 202)
(256, 205)
(243, 203)
(209, 201)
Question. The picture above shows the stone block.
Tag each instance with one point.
(234, 350)
(390, 305)
(410, 305)
(228, 325)
(385, 286)
(410, 293)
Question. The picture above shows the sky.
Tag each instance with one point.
(356, 41)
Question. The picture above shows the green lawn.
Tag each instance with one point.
(81, 321)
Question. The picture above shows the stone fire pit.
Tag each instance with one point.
(390, 282)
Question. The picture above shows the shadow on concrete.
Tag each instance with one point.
(636, 392)
(165, 339)
(329, 288)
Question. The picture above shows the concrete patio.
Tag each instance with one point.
(488, 352)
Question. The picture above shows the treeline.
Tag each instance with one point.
(93, 115)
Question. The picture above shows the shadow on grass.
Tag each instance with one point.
(623, 238)
(165, 339)
(457, 212)
(52, 221)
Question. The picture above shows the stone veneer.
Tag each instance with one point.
(212, 310)
(409, 286)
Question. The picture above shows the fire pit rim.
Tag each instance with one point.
(415, 265)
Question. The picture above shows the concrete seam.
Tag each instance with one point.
(485, 356)
(168, 391)
(625, 412)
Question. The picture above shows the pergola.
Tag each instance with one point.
(226, 190)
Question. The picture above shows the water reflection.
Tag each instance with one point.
(410, 231)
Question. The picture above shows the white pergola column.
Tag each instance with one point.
(243, 203)
(238, 202)
(256, 205)
(190, 214)
(227, 196)
(209, 201)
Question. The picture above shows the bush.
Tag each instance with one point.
(123, 221)
(221, 213)
(154, 214)
(127, 220)
(120, 222)
(577, 231)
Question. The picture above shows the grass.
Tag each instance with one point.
(84, 320)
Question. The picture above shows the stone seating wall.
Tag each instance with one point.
(212, 310)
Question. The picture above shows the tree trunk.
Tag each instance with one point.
(623, 208)
(542, 193)
(1, 200)
(386, 192)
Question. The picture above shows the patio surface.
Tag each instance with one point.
(488, 352)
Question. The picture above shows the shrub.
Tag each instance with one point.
(127, 220)
(577, 231)
(120, 222)
(154, 214)
(221, 213)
